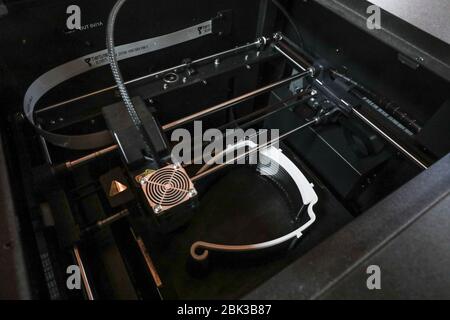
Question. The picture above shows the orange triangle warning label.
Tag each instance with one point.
(116, 188)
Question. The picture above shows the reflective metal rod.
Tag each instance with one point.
(221, 166)
(113, 218)
(298, 65)
(271, 111)
(250, 123)
(227, 104)
(106, 222)
(233, 102)
(149, 262)
(390, 140)
(82, 161)
(84, 278)
(293, 55)
(158, 73)
(76, 163)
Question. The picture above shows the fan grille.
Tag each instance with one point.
(167, 187)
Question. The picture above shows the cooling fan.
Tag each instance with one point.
(167, 188)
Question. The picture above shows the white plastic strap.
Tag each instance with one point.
(64, 72)
(200, 249)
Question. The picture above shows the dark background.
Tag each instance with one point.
(34, 38)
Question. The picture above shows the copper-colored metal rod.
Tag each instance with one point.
(219, 167)
(108, 221)
(76, 163)
(234, 101)
(86, 285)
(222, 106)
(148, 261)
(225, 105)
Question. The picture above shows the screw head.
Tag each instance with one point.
(157, 209)
(192, 193)
(277, 36)
(143, 181)
(262, 41)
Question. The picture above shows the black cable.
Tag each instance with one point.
(291, 21)
(111, 49)
(115, 65)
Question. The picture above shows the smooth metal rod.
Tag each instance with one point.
(233, 102)
(70, 165)
(293, 55)
(158, 73)
(149, 262)
(113, 218)
(106, 222)
(298, 65)
(227, 104)
(283, 136)
(76, 163)
(390, 140)
(82, 161)
(84, 278)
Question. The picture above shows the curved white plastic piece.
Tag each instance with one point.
(200, 249)
(229, 149)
